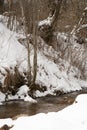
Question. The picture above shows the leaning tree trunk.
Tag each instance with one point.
(47, 26)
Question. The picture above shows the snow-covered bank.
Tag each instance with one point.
(10, 50)
(71, 118)
(54, 76)
(21, 94)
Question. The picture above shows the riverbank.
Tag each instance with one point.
(55, 75)
(71, 118)
(47, 104)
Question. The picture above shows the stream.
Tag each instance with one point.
(47, 104)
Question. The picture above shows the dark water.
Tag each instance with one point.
(43, 105)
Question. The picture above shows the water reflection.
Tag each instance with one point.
(43, 105)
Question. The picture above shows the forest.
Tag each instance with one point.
(43, 63)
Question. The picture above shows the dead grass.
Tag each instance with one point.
(13, 80)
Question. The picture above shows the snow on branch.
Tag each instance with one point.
(81, 23)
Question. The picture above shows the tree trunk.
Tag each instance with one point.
(28, 47)
(1, 6)
(47, 27)
(35, 21)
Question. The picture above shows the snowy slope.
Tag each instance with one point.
(55, 76)
(11, 51)
(50, 74)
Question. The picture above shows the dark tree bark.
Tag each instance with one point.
(30, 24)
(35, 21)
(24, 17)
(47, 28)
(1, 6)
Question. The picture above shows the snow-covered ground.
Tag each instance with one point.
(73, 117)
(55, 76)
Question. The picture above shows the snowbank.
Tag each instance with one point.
(11, 51)
(54, 76)
(71, 118)
(22, 94)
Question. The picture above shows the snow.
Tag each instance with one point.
(2, 98)
(12, 54)
(85, 8)
(50, 74)
(71, 118)
(45, 22)
(82, 98)
(22, 94)
(56, 77)
(81, 27)
(10, 49)
(6, 121)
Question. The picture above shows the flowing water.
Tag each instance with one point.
(44, 105)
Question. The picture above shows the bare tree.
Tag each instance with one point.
(26, 33)
(46, 30)
(35, 23)
(30, 25)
